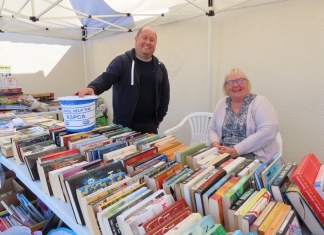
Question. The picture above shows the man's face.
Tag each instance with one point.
(145, 44)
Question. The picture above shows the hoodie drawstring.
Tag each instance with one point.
(132, 74)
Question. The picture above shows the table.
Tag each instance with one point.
(62, 209)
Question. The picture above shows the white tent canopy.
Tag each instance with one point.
(83, 20)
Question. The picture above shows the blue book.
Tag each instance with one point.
(202, 226)
(271, 171)
(98, 153)
(212, 190)
(258, 171)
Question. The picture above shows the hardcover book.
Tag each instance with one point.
(304, 177)
(319, 180)
(304, 210)
(271, 171)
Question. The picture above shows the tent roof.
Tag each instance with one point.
(83, 20)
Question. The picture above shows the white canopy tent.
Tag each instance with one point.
(83, 20)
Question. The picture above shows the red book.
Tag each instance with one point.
(304, 177)
(165, 215)
(139, 155)
(164, 227)
(57, 155)
(10, 90)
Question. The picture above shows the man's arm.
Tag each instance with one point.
(165, 96)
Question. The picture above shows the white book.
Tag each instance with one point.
(122, 219)
(250, 168)
(318, 184)
(207, 159)
(108, 156)
(185, 192)
(234, 164)
(185, 224)
(203, 155)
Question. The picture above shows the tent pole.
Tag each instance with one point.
(85, 64)
(209, 49)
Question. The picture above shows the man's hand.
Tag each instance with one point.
(84, 91)
(231, 151)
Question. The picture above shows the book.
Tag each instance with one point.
(256, 224)
(181, 155)
(169, 185)
(271, 171)
(304, 210)
(218, 229)
(170, 153)
(215, 201)
(85, 178)
(56, 155)
(304, 177)
(188, 183)
(138, 155)
(270, 217)
(202, 155)
(185, 224)
(254, 212)
(278, 220)
(319, 180)
(117, 152)
(145, 160)
(235, 210)
(235, 163)
(98, 152)
(206, 196)
(10, 90)
(31, 161)
(262, 194)
(189, 157)
(257, 173)
(201, 227)
(232, 195)
(218, 160)
(290, 225)
(240, 167)
(281, 183)
(165, 215)
(208, 182)
(46, 167)
(248, 170)
(169, 223)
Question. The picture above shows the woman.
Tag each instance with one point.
(243, 123)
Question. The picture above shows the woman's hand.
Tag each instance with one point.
(229, 150)
(215, 144)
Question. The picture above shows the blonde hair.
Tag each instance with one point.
(239, 74)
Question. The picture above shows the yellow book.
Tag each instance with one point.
(276, 223)
(170, 153)
(270, 217)
(244, 210)
(169, 146)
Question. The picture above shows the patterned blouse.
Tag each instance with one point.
(234, 126)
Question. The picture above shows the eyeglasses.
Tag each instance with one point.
(238, 82)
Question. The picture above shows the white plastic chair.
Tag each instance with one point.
(199, 123)
(279, 140)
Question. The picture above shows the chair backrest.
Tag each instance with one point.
(199, 123)
(279, 140)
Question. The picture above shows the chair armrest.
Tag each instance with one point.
(174, 129)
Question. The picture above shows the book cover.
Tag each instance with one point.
(181, 155)
(31, 161)
(56, 155)
(318, 184)
(219, 160)
(190, 182)
(235, 163)
(217, 174)
(138, 155)
(235, 210)
(206, 196)
(117, 152)
(169, 186)
(88, 177)
(254, 212)
(232, 195)
(271, 171)
(278, 220)
(281, 183)
(185, 224)
(130, 168)
(215, 201)
(304, 210)
(256, 224)
(218, 229)
(189, 157)
(248, 170)
(168, 224)
(164, 215)
(203, 155)
(241, 167)
(170, 153)
(270, 217)
(98, 152)
(304, 177)
(201, 227)
(290, 225)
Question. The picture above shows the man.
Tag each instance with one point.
(141, 90)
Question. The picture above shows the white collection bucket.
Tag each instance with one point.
(79, 113)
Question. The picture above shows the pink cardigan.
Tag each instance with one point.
(261, 131)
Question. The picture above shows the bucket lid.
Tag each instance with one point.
(76, 97)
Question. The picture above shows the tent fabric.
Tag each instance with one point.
(84, 20)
